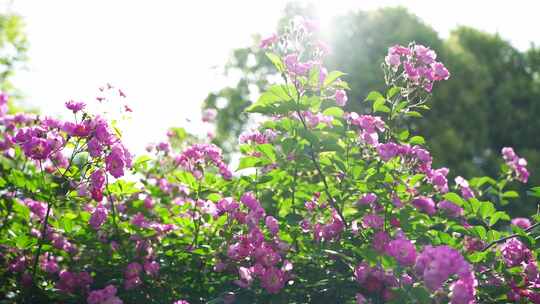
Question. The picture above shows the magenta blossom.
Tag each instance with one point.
(75, 106)
(424, 204)
(521, 222)
(341, 98)
(403, 250)
(267, 42)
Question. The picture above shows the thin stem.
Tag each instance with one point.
(113, 209)
(321, 175)
(43, 229)
(509, 237)
(198, 222)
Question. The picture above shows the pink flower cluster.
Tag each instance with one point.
(209, 115)
(196, 157)
(255, 256)
(132, 277)
(419, 65)
(403, 250)
(515, 253)
(369, 125)
(3, 103)
(99, 216)
(437, 264)
(376, 281)
(257, 137)
(48, 263)
(463, 184)
(70, 282)
(517, 164)
(314, 119)
(106, 295)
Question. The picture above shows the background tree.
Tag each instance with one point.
(490, 101)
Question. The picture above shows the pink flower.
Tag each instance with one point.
(116, 161)
(99, 216)
(438, 179)
(75, 106)
(439, 71)
(403, 250)
(437, 264)
(106, 295)
(380, 241)
(516, 164)
(360, 299)
(387, 151)
(273, 280)
(466, 191)
(341, 98)
(48, 263)
(372, 221)
(37, 148)
(399, 50)
(272, 225)
(69, 282)
(424, 204)
(464, 290)
(514, 252)
(151, 268)
(97, 180)
(367, 199)
(294, 66)
(266, 42)
(521, 222)
(37, 209)
(450, 208)
(209, 115)
(139, 220)
(393, 60)
(425, 54)
(3, 103)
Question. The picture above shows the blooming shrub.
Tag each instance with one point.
(334, 207)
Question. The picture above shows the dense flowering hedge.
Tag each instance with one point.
(327, 206)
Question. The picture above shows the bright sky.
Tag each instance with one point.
(163, 54)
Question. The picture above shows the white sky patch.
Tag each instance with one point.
(164, 54)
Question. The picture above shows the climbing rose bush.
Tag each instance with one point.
(324, 206)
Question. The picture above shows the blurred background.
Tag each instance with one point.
(174, 59)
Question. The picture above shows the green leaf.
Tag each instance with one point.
(454, 198)
(421, 294)
(499, 215)
(478, 256)
(276, 61)
(392, 92)
(274, 95)
(417, 140)
(510, 194)
(331, 77)
(414, 114)
(334, 111)
(378, 106)
(248, 162)
(479, 231)
(268, 151)
(374, 95)
(486, 210)
(403, 135)
(68, 225)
